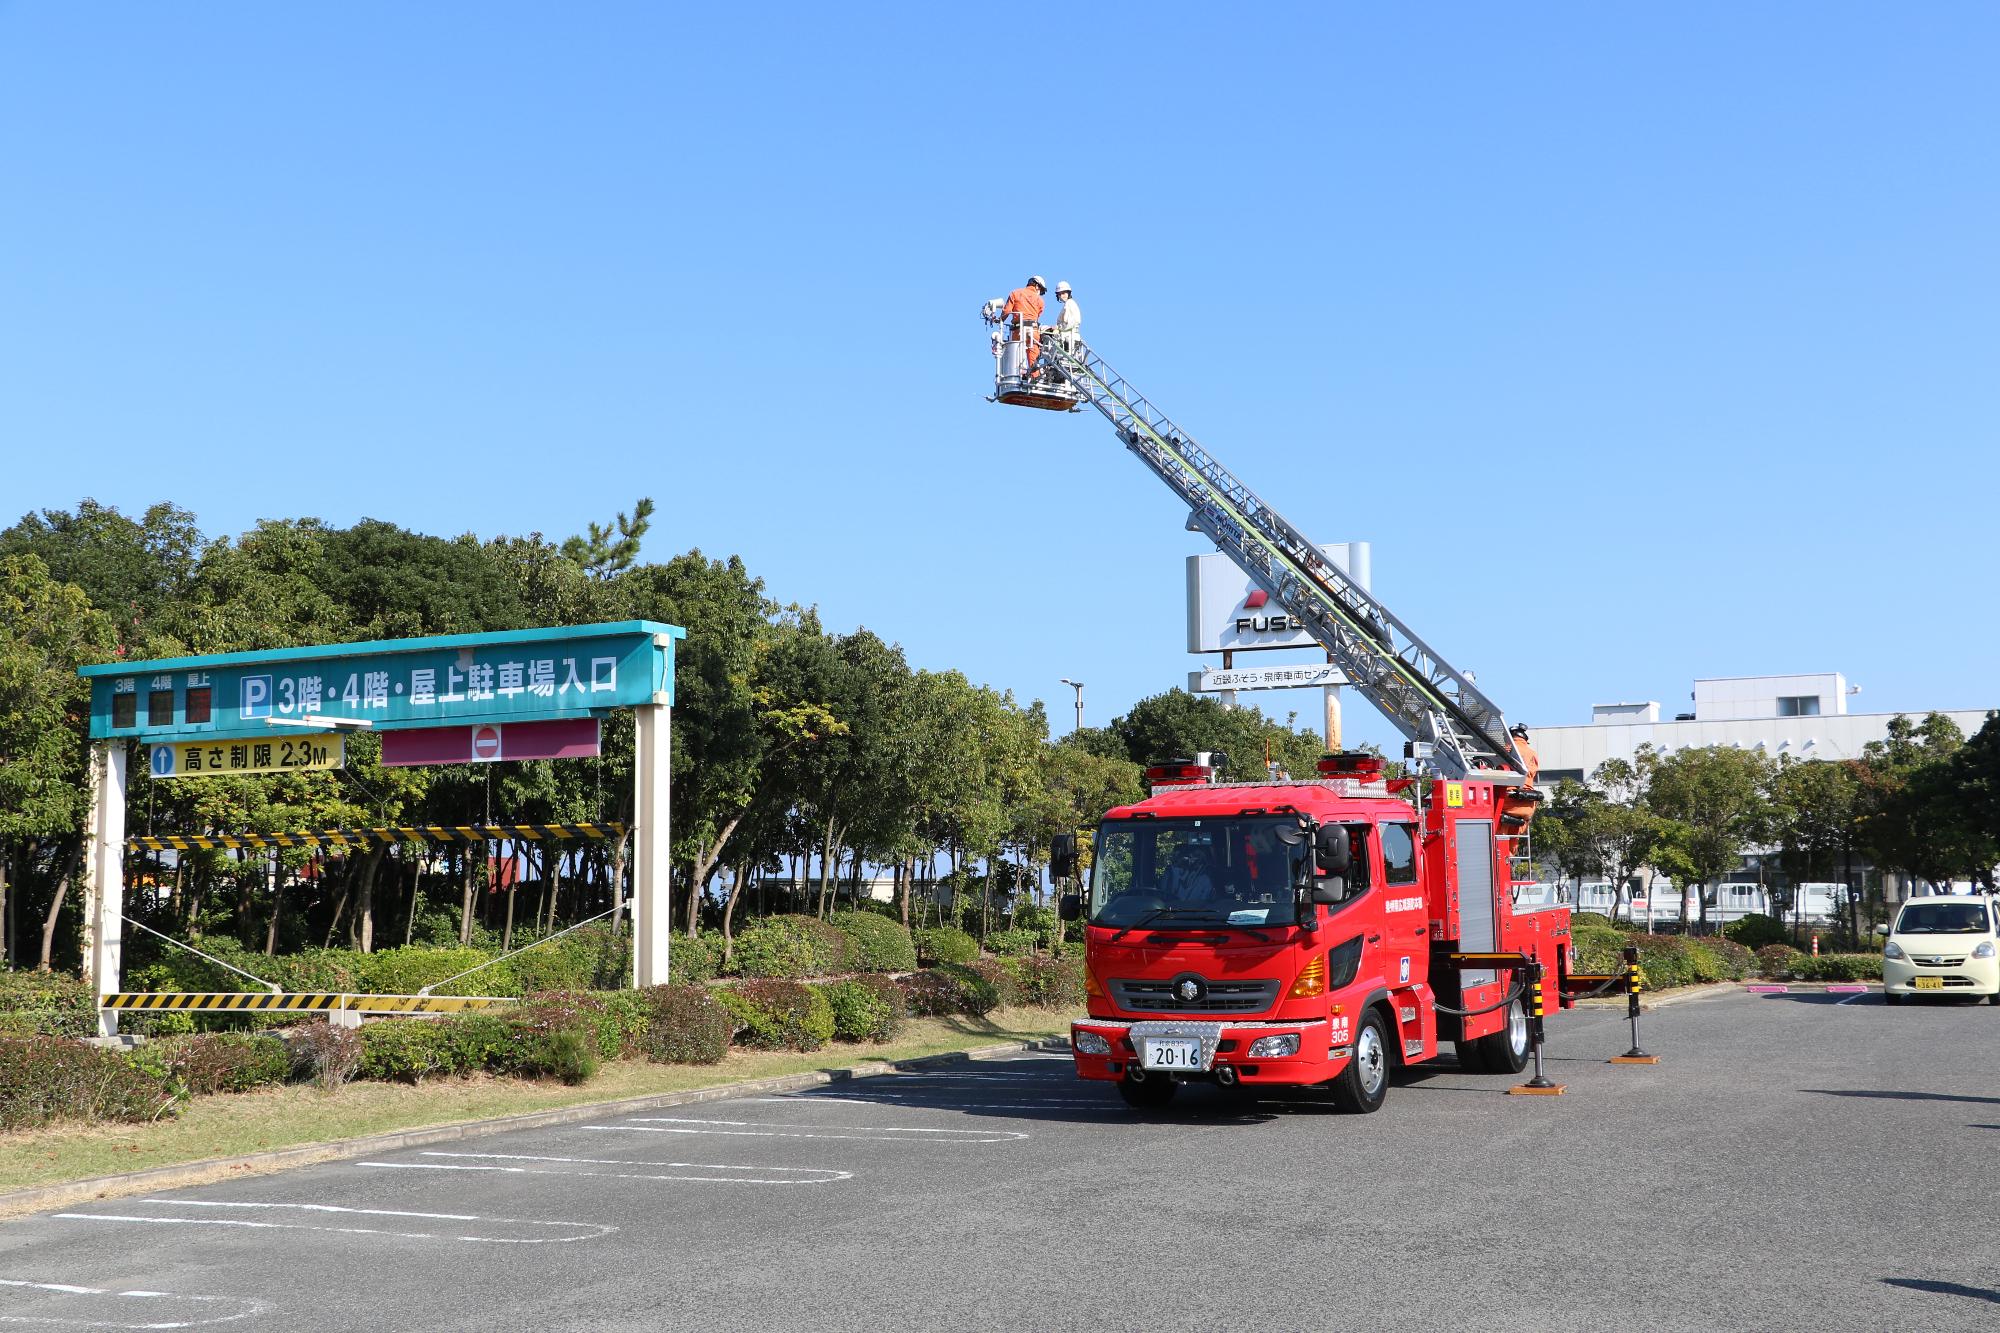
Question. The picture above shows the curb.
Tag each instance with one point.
(1650, 1000)
(19, 1202)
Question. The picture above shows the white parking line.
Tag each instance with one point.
(157, 1303)
(1858, 995)
(756, 1130)
(739, 1175)
(586, 1230)
(919, 1103)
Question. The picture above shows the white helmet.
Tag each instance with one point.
(1036, 281)
(1062, 289)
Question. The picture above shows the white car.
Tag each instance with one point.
(1943, 946)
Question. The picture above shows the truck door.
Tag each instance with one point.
(1405, 919)
(1475, 897)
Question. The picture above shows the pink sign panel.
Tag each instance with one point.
(565, 738)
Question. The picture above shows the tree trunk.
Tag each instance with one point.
(63, 878)
(277, 873)
(507, 934)
(6, 913)
(555, 889)
(465, 899)
(906, 869)
(729, 913)
(416, 896)
(364, 897)
(618, 881)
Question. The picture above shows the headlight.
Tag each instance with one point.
(1984, 951)
(1270, 1048)
(1090, 1043)
(1893, 950)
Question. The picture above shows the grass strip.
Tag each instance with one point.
(290, 1117)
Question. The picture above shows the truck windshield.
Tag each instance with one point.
(1194, 874)
(1942, 919)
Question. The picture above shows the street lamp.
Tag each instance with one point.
(1076, 685)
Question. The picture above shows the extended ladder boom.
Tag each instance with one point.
(1423, 695)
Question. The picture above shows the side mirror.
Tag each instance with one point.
(1331, 850)
(1329, 891)
(1882, 930)
(1062, 855)
(1070, 907)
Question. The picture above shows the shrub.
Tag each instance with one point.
(1756, 931)
(697, 959)
(213, 1062)
(779, 1015)
(47, 1079)
(997, 973)
(686, 1025)
(1049, 983)
(406, 971)
(44, 1004)
(1775, 960)
(1838, 967)
(615, 1020)
(891, 995)
(863, 1011)
(791, 947)
(328, 1055)
(1012, 943)
(950, 988)
(567, 1053)
(594, 957)
(475, 1041)
(408, 1050)
(1738, 962)
(1033, 916)
(878, 943)
(945, 944)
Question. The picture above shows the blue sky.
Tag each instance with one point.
(1643, 343)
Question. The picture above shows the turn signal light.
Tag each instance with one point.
(1090, 985)
(1312, 980)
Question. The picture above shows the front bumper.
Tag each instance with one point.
(1972, 976)
(1322, 1050)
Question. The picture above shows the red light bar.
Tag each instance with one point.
(1351, 764)
(1178, 772)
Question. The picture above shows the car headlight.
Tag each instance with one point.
(1893, 950)
(1271, 1048)
(1090, 1043)
(1984, 951)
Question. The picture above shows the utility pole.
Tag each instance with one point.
(1076, 685)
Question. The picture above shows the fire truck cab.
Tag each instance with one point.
(1320, 932)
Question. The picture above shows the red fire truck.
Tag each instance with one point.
(1325, 931)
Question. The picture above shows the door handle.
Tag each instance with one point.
(1374, 939)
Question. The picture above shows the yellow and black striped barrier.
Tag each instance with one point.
(271, 1002)
(375, 837)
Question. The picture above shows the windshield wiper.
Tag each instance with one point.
(1155, 915)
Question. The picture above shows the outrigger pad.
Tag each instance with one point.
(1633, 1060)
(1530, 1090)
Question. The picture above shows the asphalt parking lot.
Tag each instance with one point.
(1797, 1161)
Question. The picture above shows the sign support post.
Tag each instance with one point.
(652, 844)
(104, 878)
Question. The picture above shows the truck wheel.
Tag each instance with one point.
(1364, 1084)
(1469, 1057)
(1151, 1095)
(1506, 1051)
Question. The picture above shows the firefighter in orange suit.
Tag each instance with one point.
(1023, 311)
(1531, 761)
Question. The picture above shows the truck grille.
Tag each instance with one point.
(1222, 997)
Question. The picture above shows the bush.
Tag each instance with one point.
(1737, 961)
(408, 1050)
(47, 1079)
(697, 959)
(215, 1062)
(567, 1053)
(791, 947)
(686, 1025)
(1755, 931)
(1049, 983)
(1775, 960)
(44, 1004)
(863, 1009)
(1033, 916)
(950, 988)
(1012, 943)
(878, 944)
(616, 1020)
(406, 971)
(945, 944)
(475, 1041)
(328, 1055)
(594, 957)
(997, 973)
(1838, 967)
(777, 1015)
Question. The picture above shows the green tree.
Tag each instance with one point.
(1813, 818)
(611, 549)
(1714, 802)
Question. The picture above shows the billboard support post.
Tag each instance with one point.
(104, 877)
(652, 864)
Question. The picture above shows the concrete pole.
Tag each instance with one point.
(104, 878)
(1228, 697)
(652, 865)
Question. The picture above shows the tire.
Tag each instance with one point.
(1891, 998)
(1507, 1051)
(1364, 1085)
(1151, 1095)
(1994, 998)
(1470, 1058)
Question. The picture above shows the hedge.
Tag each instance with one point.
(44, 1080)
(1837, 967)
(879, 944)
(1049, 983)
(46, 1004)
(779, 1015)
(1755, 931)
(1012, 943)
(686, 1025)
(213, 1062)
(1775, 960)
(950, 988)
(791, 947)
(866, 1008)
(945, 944)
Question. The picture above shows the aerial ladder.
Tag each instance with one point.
(1431, 702)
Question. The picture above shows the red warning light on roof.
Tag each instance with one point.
(1257, 598)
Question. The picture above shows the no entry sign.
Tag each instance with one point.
(569, 738)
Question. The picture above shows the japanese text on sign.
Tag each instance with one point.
(280, 754)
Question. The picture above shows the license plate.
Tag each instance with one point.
(1928, 983)
(1173, 1053)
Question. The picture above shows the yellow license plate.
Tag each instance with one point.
(1928, 983)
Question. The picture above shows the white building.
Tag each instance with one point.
(1803, 717)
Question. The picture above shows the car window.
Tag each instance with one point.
(1399, 853)
(1943, 919)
